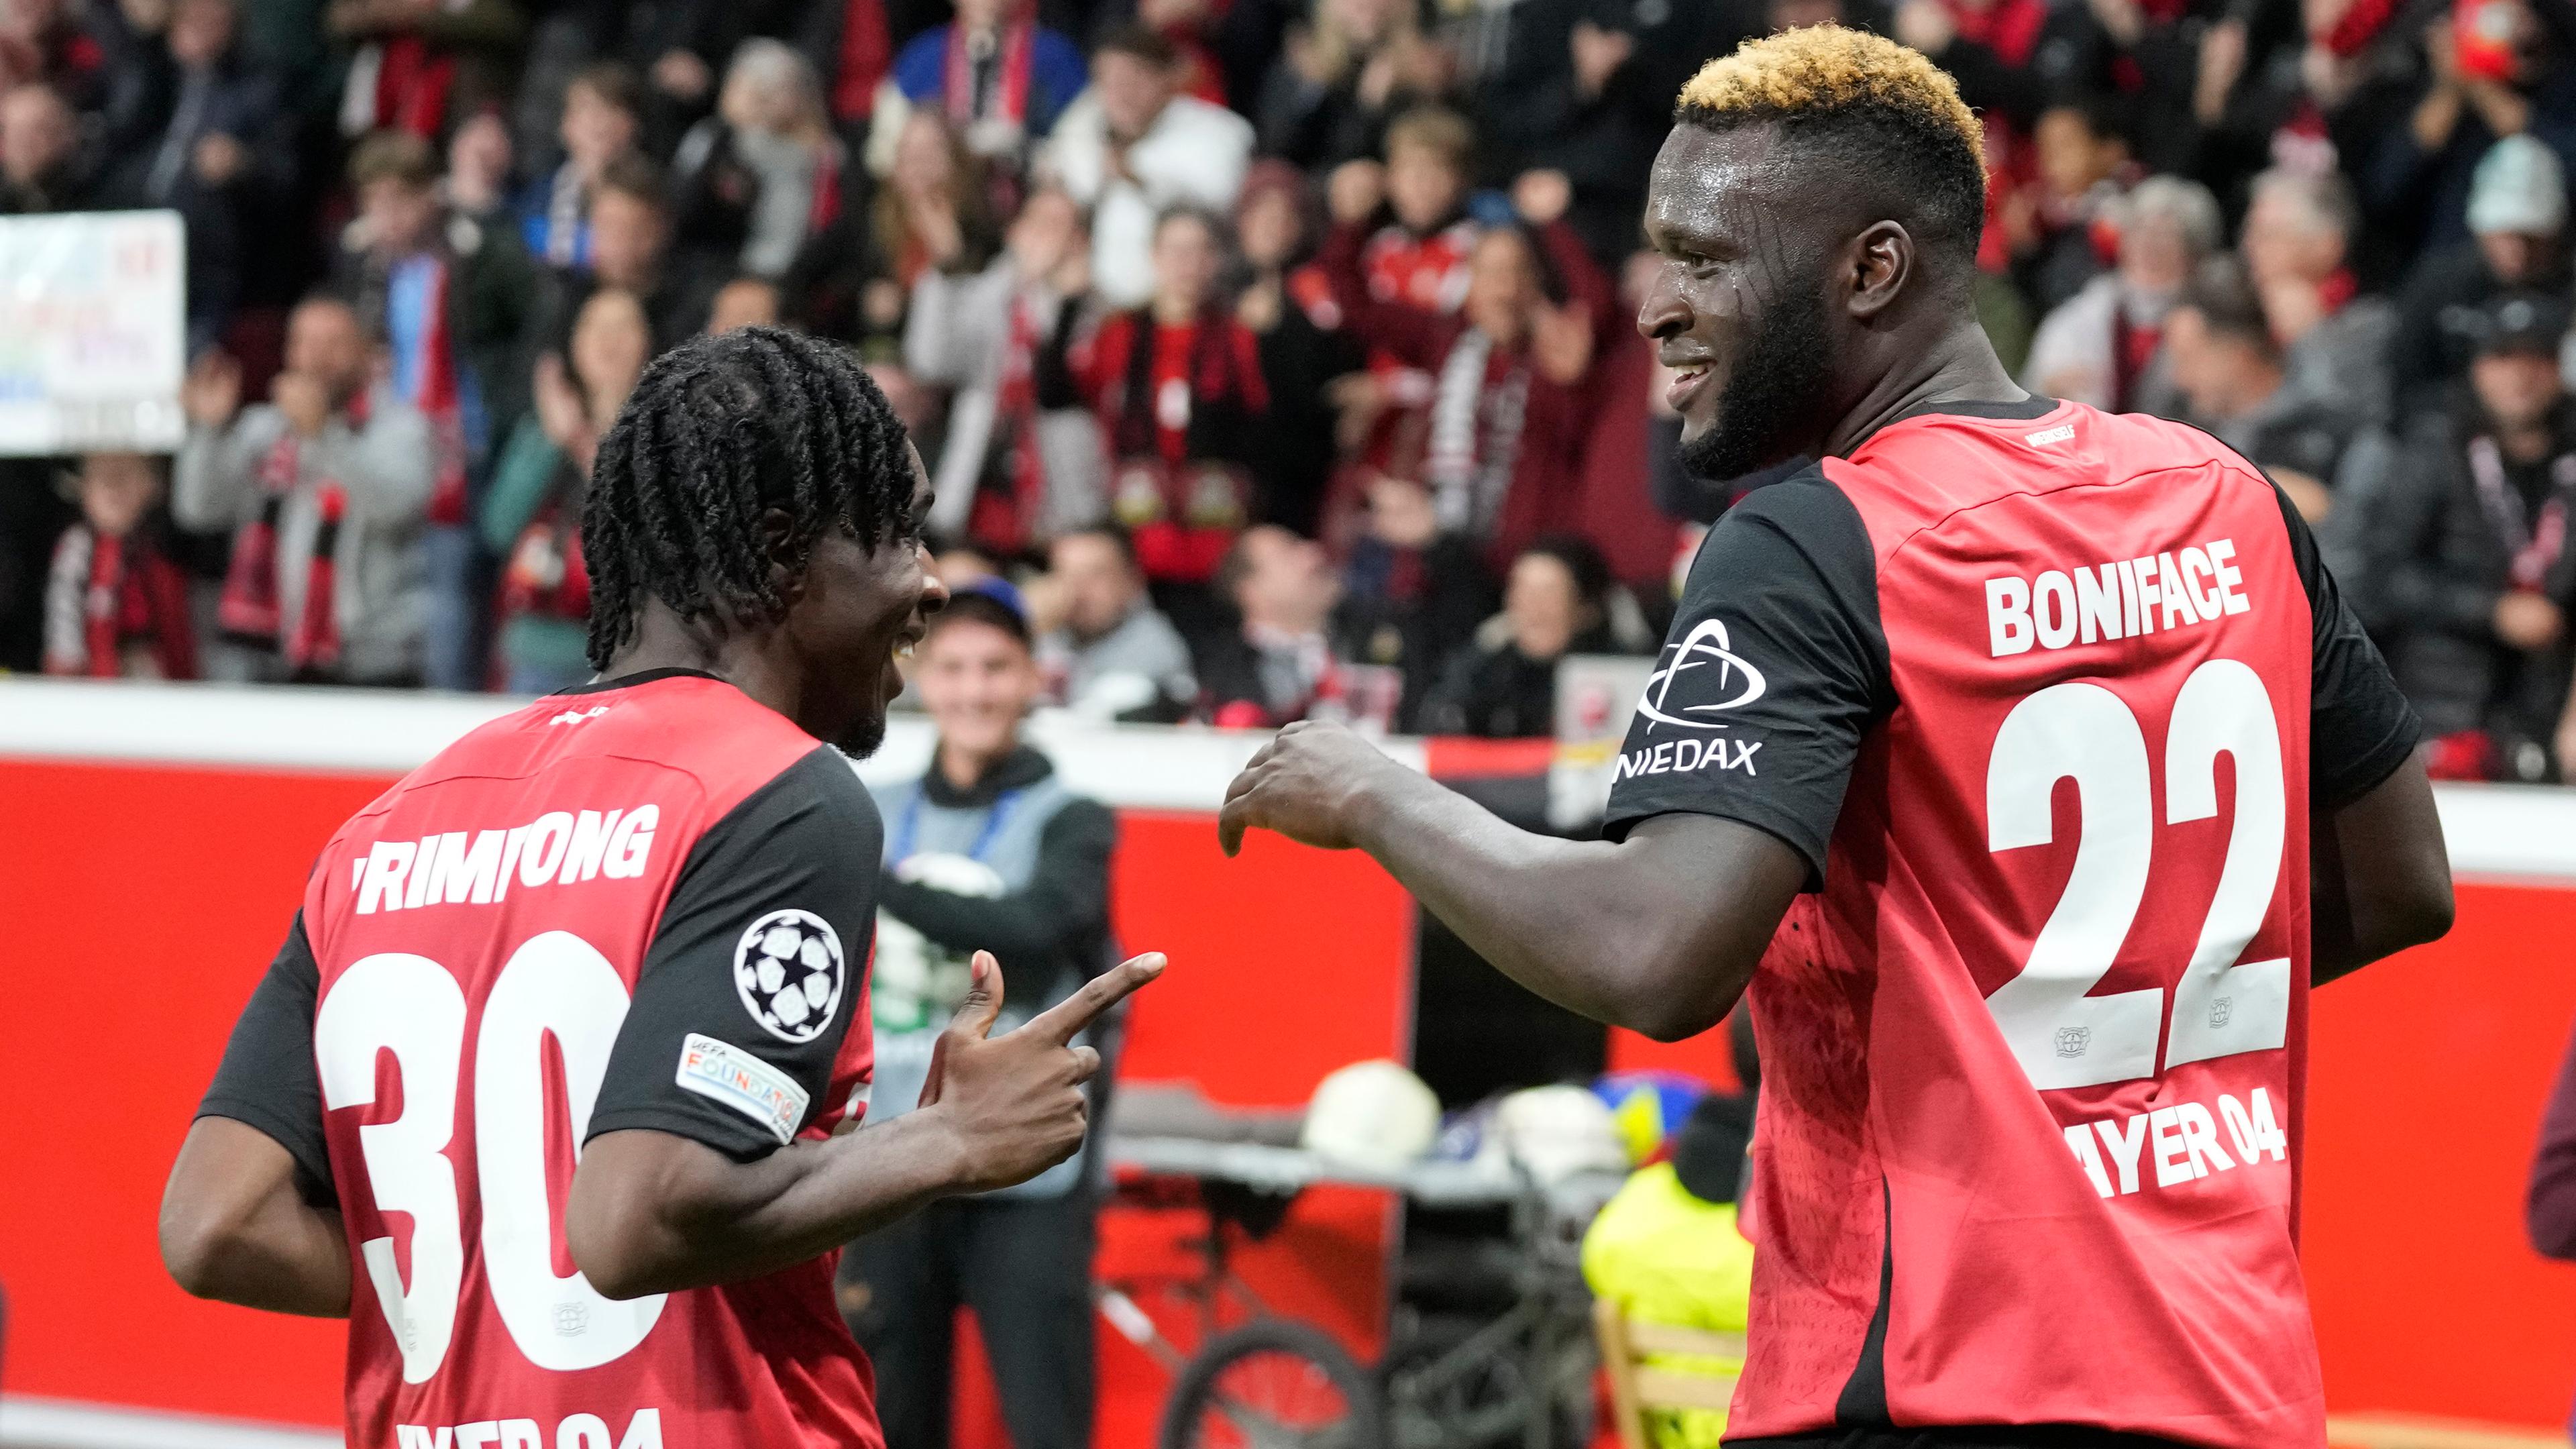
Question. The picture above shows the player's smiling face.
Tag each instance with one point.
(858, 609)
(1736, 308)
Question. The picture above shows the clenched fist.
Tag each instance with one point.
(1311, 784)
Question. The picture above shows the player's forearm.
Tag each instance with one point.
(1573, 921)
(235, 1228)
(654, 1213)
(2379, 876)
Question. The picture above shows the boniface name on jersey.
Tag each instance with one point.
(577, 1431)
(2180, 1143)
(476, 867)
(2116, 600)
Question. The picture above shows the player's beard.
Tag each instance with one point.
(1771, 389)
(863, 736)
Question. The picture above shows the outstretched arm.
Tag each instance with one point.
(1658, 932)
(653, 1211)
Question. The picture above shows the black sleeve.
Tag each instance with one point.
(756, 969)
(268, 1079)
(1066, 898)
(2360, 728)
(1773, 670)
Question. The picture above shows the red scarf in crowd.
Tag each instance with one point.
(1005, 519)
(412, 85)
(250, 611)
(103, 591)
(865, 53)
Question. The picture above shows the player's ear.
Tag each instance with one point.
(1878, 262)
(777, 543)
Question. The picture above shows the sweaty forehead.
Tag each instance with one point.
(1739, 186)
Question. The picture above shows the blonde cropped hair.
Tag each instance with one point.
(1823, 69)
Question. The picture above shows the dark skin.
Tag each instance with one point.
(652, 1212)
(1661, 932)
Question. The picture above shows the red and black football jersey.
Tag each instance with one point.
(644, 904)
(2044, 695)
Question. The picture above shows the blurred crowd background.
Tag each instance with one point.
(1271, 357)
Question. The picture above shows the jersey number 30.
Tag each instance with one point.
(2062, 1035)
(555, 985)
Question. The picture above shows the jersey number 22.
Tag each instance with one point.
(2062, 1035)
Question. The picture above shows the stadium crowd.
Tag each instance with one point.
(1272, 357)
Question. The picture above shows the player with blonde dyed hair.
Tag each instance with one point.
(1929, 771)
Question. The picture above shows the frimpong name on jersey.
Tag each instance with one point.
(576, 1431)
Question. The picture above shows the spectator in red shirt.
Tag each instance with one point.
(1177, 384)
(1507, 419)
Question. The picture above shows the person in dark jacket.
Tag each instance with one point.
(988, 851)
(197, 126)
(1555, 603)
(2518, 239)
(1287, 302)
(2473, 579)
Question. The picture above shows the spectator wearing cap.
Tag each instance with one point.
(1000, 78)
(2099, 348)
(1021, 460)
(2230, 369)
(40, 163)
(2296, 244)
(603, 117)
(197, 126)
(2518, 239)
(1132, 148)
(1113, 655)
(2482, 73)
(323, 490)
(1556, 601)
(116, 601)
(988, 851)
(2472, 579)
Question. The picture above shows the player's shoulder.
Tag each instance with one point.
(1802, 521)
(1930, 468)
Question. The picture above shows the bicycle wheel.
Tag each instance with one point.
(1272, 1384)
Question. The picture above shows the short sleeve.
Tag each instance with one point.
(2360, 727)
(1774, 669)
(756, 971)
(268, 1079)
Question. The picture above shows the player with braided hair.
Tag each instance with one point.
(647, 904)
(1929, 768)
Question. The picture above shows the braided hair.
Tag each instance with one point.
(718, 431)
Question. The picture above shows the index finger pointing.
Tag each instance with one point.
(1062, 1022)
